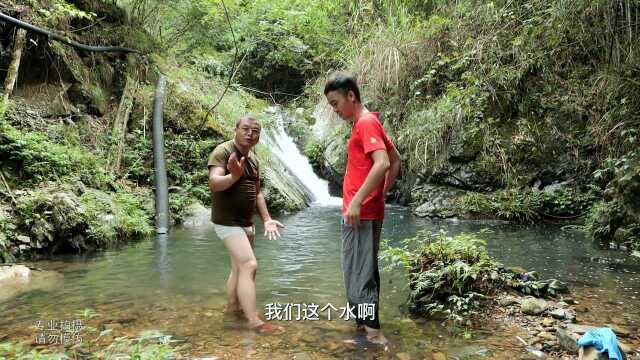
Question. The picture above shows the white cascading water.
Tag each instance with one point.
(286, 150)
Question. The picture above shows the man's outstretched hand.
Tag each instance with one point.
(235, 166)
(271, 229)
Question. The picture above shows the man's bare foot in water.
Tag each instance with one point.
(376, 336)
(266, 328)
(373, 337)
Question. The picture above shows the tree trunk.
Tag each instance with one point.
(12, 73)
(122, 115)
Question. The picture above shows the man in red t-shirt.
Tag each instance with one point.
(373, 164)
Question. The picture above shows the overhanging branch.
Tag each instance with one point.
(56, 37)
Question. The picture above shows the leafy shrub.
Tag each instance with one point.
(314, 151)
(178, 204)
(453, 275)
(114, 217)
(41, 159)
(447, 275)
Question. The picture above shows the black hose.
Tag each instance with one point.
(54, 36)
(160, 178)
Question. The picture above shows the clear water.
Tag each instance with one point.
(176, 284)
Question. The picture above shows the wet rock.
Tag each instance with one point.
(535, 340)
(438, 201)
(335, 161)
(548, 322)
(17, 279)
(579, 329)
(562, 314)
(533, 306)
(301, 356)
(197, 215)
(557, 186)
(619, 330)
(14, 272)
(546, 336)
(558, 286)
(438, 356)
(621, 235)
(548, 345)
(61, 221)
(472, 352)
(562, 304)
(509, 300)
(569, 301)
(568, 340)
(533, 354)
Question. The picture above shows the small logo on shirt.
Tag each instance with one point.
(373, 140)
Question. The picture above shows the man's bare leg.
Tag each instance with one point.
(233, 304)
(242, 255)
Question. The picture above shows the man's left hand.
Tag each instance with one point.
(352, 217)
(271, 229)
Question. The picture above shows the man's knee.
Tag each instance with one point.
(249, 266)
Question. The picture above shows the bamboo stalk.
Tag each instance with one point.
(630, 29)
(122, 119)
(12, 75)
(6, 184)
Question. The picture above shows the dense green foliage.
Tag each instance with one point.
(529, 206)
(273, 47)
(41, 159)
(617, 217)
(452, 276)
(447, 274)
(509, 97)
(499, 83)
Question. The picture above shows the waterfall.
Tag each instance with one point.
(281, 145)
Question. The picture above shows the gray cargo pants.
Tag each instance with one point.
(360, 269)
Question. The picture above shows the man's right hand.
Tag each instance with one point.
(235, 166)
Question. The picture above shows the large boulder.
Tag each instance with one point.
(197, 215)
(14, 272)
(54, 219)
(335, 164)
(466, 175)
(533, 306)
(437, 201)
(17, 279)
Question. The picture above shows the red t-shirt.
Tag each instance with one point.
(367, 135)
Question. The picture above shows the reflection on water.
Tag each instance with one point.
(175, 283)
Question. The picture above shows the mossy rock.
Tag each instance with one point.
(437, 201)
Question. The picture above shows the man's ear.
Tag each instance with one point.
(351, 96)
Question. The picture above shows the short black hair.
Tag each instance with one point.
(343, 82)
(247, 117)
